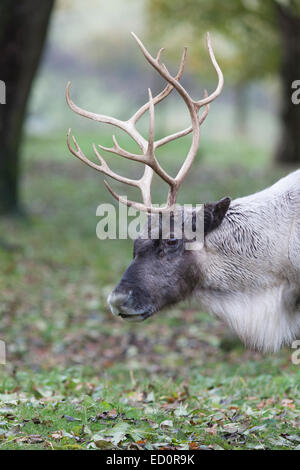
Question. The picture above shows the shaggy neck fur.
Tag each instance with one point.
(251, 266)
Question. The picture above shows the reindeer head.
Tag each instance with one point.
(163, 271)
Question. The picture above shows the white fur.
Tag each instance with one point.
(251, 266)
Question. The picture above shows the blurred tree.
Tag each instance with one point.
(289, 30)
(23, 27)
(263, 39)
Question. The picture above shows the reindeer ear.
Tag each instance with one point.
(214, 213)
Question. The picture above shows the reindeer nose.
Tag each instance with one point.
(116, 300)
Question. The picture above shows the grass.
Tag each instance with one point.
(76, 377)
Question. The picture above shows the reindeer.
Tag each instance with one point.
(247, 271)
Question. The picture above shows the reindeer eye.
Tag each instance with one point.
(172, 242)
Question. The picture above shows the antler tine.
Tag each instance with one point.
(108, 172)
(219, 88)
(161, 69)
(78, 152)
(103, 168)
(137, 205)
(161, 50)
(165, 92)
(150, 158)
(150, 150)
(144, 183)
(124, 125)
(122, 152)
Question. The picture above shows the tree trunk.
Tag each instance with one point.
(23, 27)
(288, 150)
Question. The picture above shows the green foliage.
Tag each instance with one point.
(77, 410)
(249, 46)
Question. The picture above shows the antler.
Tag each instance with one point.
(148, 147)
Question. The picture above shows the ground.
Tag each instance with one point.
(78, 378)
